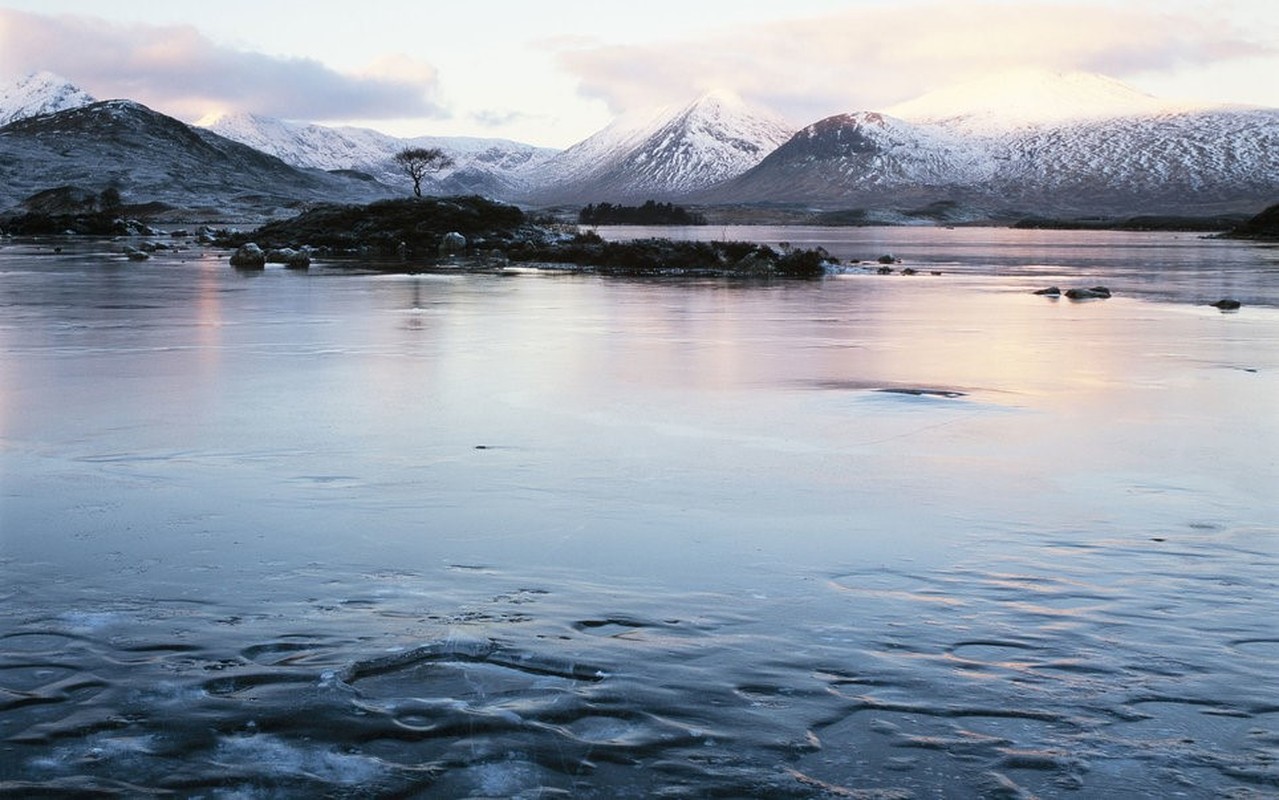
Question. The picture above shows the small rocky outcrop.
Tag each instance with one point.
(90, 224)
(293, 259)
(1227, 304)
(1263, 226)
(248, 256)
(1051, 291)
(134, 254)
(452, 243)
(412, 227)
(1091, 293)
(664, 257)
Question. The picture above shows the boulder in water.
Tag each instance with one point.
(248, 256)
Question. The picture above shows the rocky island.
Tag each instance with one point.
(451, 233)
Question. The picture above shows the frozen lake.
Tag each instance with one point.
(301, 534)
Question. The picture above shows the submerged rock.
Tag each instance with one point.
(1051, 291)
(1091, 293)
(1227, 304)
(135, 254)
(914, 391)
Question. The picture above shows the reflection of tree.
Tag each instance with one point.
(415, 322)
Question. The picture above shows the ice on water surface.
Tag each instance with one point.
(295, 535)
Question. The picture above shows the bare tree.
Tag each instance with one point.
(418, 162)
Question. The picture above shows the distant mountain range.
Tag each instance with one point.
(1028, 143)
(1035, 143)
(492, 167)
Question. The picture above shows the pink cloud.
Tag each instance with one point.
(176, 69)
(873, 57)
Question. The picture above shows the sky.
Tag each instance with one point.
(553, 72)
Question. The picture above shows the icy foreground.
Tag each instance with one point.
(325, 534)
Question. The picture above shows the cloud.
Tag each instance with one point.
(875, 56)
(491, 118)
(178, 70)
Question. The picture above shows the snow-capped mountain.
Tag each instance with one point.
(494, 167)
(664, 154)
(1054, 144)
(1206, 161)
(39, 93)
(1043, 143)
(1025, 98)
(860, 157)
(149, 157)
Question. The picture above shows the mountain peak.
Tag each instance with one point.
(723, 106)
(724, 98)
(1029, 97)
(39, 93)
(666, 152)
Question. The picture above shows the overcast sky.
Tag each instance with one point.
(555, 71)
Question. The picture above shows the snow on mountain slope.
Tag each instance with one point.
(496, 167)
(39, 93)
(666, 153)
(860, 156)
(1206, 160)
(1193, 162)
(149, 157)
(1028, 142)
(1027, 98)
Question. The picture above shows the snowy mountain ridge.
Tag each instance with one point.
(486, 166)
(150, 158)
(1028, 142)
(1189, 162)
(39, 93)
(664, 153)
